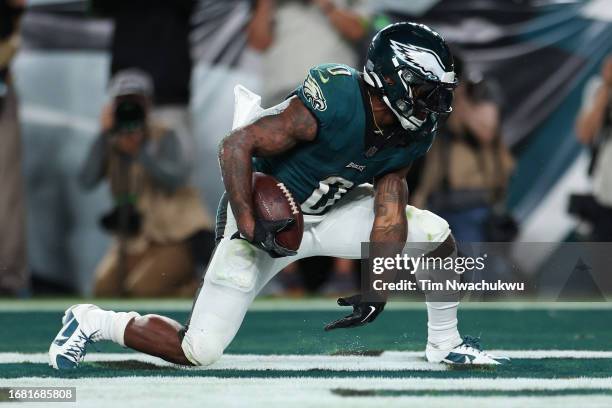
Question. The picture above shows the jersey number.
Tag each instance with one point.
(338, 70)
(329, 191)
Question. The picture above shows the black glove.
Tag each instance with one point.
(363, 313)
(264, 237)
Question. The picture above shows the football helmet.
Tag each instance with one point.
(411, 67)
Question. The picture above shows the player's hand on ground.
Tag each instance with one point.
(265, 233)
(363, 313)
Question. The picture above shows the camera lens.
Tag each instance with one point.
(129, 115)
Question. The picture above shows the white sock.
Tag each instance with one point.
(442, 324)
(110, 325)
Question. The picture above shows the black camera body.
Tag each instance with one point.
(129, 114)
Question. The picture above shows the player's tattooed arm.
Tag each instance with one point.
(390, 227)
(277, 130)
(390, 223)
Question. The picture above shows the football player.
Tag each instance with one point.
(339, 130)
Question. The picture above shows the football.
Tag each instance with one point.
(273, 201)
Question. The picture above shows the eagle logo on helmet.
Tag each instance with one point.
(313, 93)
(423, 59)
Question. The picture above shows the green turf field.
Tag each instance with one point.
(561, 354)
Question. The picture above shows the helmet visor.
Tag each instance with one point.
(434, 96)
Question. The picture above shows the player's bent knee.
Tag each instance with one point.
(425, 226)
(202, 349)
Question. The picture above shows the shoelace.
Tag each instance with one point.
(78, 349)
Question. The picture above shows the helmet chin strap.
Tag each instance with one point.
(410, 123)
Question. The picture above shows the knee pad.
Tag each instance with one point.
(234, 265)
(425, 226)
(202, 348)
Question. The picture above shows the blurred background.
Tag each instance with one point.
(112, 112)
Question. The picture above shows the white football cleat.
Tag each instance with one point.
(469, 352)
(70, 345)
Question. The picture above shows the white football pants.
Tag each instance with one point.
(238, 270)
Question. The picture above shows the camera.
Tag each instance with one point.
(129, 114)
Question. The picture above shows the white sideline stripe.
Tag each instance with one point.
(388, 361)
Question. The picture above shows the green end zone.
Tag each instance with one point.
(284, 344)
(301, 331)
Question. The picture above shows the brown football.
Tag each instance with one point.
(273, 201)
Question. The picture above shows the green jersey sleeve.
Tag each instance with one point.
(326, 91)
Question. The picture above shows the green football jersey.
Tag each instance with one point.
(320, 172)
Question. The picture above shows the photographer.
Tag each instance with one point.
(594, 128)
(158, 222)
(14, 279)
(466, 173)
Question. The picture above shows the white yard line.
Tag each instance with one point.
(388, 361)
(245, 362)
(524, 354)
(358, 383)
